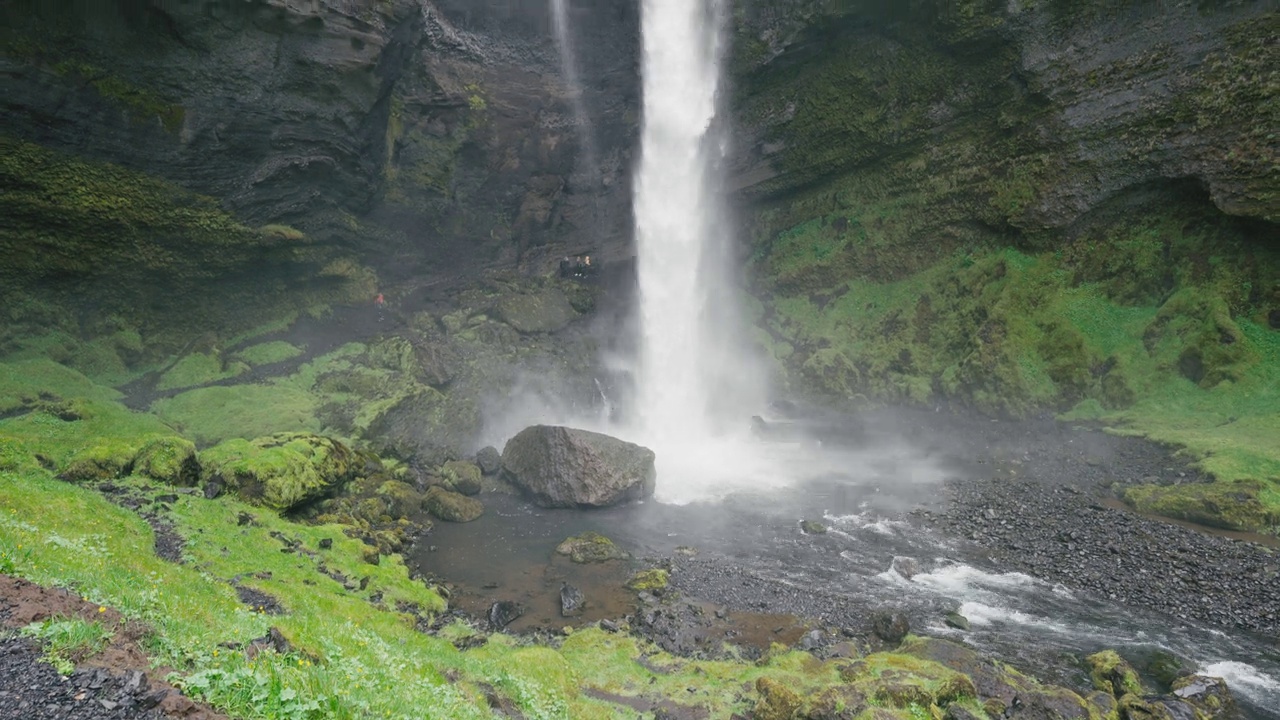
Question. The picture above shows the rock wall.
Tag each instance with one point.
(422, 139)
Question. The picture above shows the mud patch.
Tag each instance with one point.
(259, 601)
(115, 683)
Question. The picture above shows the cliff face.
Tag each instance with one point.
(1024, 206)
(420, 138)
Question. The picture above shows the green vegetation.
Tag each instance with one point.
(68, 641)
(280, 471)
(1152, 324)
(199, 369)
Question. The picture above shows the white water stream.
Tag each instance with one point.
(569, 71)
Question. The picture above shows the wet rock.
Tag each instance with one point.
(957, 621)
(565, 467)
(489, 460)
(1113, 674)
(590, 547)
(451, 506)
(1165, 667)
(503, 613)
(812, 527)
(907, 567)
(956, 711)
(571, 601)
(1209, 695)
(890, 627)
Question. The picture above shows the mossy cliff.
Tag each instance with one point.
(1026, 207)
(427, 138)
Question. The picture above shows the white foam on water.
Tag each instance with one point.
(965, 580)
(983, 615)
(1246, 680)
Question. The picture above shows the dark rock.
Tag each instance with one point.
(565, 467)
(212, 490)
(546, 311)
(907, 567)
(503, 613)
(571, 601)
(957, 621)
(955, 711)
(890, 626)
(463, 476)
(326, 543)
(489, 460)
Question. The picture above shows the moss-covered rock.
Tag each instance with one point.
(1238, 505)
(544, 311)
(1113, 674)
(99, 462)
(402, 499)
(776, 701)
(170, 460)
(590, 547)
(463, 476)
(451, 506)
(652, 580)
(1208, 695)
(282, 471)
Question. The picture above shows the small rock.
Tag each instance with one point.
(890, 627)
(503, 613)
(212, 490)
(326, 543)
(571, 601)
(489, 460)
(957, 621)
(907, 567)
(812, 527)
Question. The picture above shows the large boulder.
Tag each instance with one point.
(451, 506)
(283, 471)
(566, 467)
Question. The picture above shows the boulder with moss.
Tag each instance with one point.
(1208, 695)
(652, 580)
(451, 506)
(1113, 674)
(170, 460)
(99, 462)
(776, 701)
(462, 475)
(566, 467)
(542, 311)
(590, 547)
(283, 471)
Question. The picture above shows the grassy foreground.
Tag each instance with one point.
(353, 619)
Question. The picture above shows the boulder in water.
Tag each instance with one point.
(463, 476)
(1209, 695)
(566, 467)
(590, 547)
(907, 567)
(890, 627)
(571, 601)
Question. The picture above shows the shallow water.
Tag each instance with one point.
(509, 554)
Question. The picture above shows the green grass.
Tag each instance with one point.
(199, 369)
(67, 641)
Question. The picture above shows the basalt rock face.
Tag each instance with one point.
(1009, 163)
(1031, 114)
(420, 137)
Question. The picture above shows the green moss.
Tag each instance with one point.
(199, 369)
(214, 414)
(462, 475)
(282, 232)
(649, 580)
(1231, 505)
(451, 506)
(267, 353)
(170, 460)
(1112, 674)
(590, 547)
(281, 471)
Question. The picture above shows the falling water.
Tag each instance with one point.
(569, 71)
(694, 398)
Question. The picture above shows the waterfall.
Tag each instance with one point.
(569, 71)
(695, 393)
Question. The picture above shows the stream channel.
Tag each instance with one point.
(886, 483)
